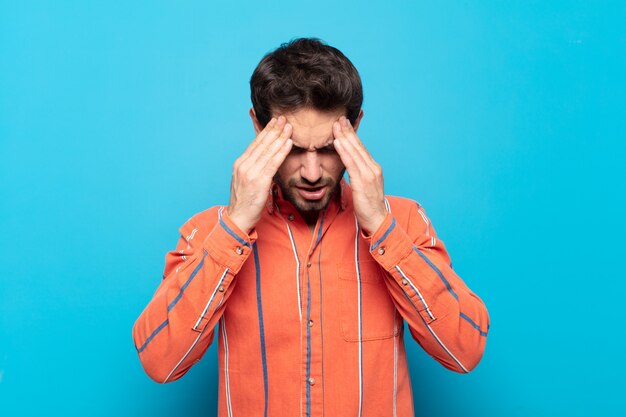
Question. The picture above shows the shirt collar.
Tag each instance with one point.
(276, 199)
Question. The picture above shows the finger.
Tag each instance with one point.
(271, 149)
(350, 133)
(268, 140)
(347, 149)
(351, 161)
(269, 126)
(249, 173)
(279, 130)
(278, 158)
(274, 125)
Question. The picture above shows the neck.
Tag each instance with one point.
(310, 218)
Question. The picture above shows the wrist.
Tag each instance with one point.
(371, 226)
(243, 224)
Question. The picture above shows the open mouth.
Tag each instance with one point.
(312, 193)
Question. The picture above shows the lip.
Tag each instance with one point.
(308, 194)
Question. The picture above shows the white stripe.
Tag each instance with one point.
(226, 380)
(430, 328)
(185, 355)
(432, 241)
(193, 233)
(395, 362)
(208, 304)
(417, 292)
(358, 274)
(421, 212)
(295, 254)
(387, 206)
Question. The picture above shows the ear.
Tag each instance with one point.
(358, 120)
(255, 122)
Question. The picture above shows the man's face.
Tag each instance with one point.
(310, 174)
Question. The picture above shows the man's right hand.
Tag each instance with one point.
(254, 170)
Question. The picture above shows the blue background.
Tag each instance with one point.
(506, 120)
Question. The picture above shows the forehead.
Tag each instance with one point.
(312, 128)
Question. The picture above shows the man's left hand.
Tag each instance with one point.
(366, 177)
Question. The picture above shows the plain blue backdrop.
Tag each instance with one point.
(506, 120)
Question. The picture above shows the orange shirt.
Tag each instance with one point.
(310, 323)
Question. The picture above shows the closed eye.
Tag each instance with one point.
(296, 150)
(329, 149)
(325, 150)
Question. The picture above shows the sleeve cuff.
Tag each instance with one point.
(227, 244)
(389, 244)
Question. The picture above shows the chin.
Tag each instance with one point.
(311, 207)
(305, 206)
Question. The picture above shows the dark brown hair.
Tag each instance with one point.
(305, 73)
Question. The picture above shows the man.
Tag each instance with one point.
(310, 279)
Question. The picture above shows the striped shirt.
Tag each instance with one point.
(310, 324)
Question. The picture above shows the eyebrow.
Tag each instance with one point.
(329, 146)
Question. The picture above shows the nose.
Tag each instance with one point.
(311, 169)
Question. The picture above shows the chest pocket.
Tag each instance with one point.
(375, 319)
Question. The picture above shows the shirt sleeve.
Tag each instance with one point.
(445, 317)
(177, 326)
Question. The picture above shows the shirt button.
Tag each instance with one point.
(291, 217)
(310, 323)
(221, 289)
(404, 282)
(311, 381)
(381, 251)
(308, 264)
(239, 250)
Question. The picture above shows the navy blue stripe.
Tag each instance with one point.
(308, 347)
(445, 281)
(186, 284)
(173, 303)
(384, 236)
(154, 333)
(474, 325)
(261, 327)
(319, 231)
(233, 234)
